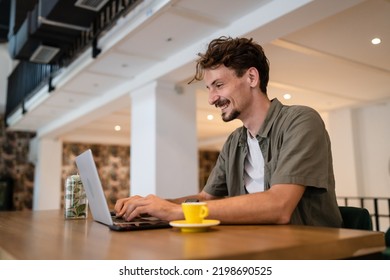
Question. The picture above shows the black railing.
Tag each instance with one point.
(28, 78)
(103, 22)
(25, 80)
(379, 208)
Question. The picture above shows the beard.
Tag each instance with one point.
(229, 117)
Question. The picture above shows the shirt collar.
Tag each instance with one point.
(272, 114)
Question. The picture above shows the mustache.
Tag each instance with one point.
(221, 102)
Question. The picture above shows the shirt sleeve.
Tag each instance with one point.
(304, 154)
(216, 184)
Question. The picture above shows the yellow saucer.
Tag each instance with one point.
(186, 227)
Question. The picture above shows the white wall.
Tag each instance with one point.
(361, 150)
(361, 155)
(373, 137)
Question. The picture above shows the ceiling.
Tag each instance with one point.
(320, 52)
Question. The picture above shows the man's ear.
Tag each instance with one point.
(253, 76)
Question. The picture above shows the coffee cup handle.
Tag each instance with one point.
(205, 212)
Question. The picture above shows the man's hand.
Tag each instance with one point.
(134, 206)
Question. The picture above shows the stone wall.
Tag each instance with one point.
(14, 165)
(113, 163)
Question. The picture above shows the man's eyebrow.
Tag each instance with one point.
(213, 83)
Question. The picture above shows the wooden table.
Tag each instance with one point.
(46, 235)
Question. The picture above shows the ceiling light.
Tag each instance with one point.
(210, 117)
(376, 41)
(287, 96)
(117, 128)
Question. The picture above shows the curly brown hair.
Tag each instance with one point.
(238, 54)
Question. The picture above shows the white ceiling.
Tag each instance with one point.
(320, 52)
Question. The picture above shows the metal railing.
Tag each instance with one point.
(28, 78)
(379, 208)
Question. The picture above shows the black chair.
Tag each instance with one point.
(356, 218)
(386, 252)
(387, 237)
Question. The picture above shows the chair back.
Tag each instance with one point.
(387, 238)
(356, 218)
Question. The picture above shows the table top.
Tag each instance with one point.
(46, 235)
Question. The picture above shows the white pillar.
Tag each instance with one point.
(47, 156)
(164, 154)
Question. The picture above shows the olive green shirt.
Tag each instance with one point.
(296, 150)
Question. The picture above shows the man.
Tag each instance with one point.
(275, 169)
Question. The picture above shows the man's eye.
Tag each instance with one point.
(219, 85)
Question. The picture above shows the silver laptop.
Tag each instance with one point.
(98, 204)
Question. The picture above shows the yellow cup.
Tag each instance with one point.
(195, 212)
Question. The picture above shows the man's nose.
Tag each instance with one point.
(212, 98)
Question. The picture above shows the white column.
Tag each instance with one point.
(341, 131)
(164, 154)
(47, 156)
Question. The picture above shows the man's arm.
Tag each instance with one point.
(202, 196)
(274, 206)
(133, 206)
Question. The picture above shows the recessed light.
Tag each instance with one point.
(287, 96)
(117, 128)
(210, 117)
(376, 41)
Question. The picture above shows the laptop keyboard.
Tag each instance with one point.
(144, 219)
(144, 222)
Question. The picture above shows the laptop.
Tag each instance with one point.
(98, 204)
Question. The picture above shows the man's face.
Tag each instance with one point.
(227, 91)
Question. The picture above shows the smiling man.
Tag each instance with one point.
(275, 169)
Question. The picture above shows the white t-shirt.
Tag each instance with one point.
(254, 166)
